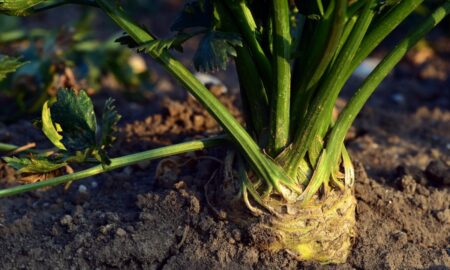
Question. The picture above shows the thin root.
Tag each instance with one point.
(183, 237)
(69, 170)
(214, 209)
(22, 148)
(255, 211)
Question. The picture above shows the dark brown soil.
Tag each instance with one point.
(126, 219)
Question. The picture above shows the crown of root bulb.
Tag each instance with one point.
(321, 231)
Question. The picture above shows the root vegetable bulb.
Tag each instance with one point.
(322, 231)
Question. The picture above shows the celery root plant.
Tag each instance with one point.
(292, 58)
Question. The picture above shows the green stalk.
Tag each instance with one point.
(254, 97)
(321, 52)
(119, 163)
(281, 95)
(261, 163)
(5, 147)
(252, 90)
(334, 35)
(381, 30)
(319, 118)
(247, 28)
(346, 33)
(356, 103)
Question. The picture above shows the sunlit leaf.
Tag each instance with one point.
(50, 129)
(33, 164)
(18, 7)
(9, 65)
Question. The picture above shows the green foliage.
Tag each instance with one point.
(9, 65)
(159, 45)
(194, 14)
(72, 47)
(50, 129)
(71, 125)
(18, 7)
(215, 50)
(110, 118)
(303, 150)
(75, 115)
(33, 165)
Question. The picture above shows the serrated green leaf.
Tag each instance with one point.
(215, 49)
(159, 45)
(110, 118)
(194, 14)
(50, 129)
(9, 65)
(128, 41)
(18, 7)
(33, 164)
(75, 114)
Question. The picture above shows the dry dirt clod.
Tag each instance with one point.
(443, 216)
(66, 220)
(438, 172)
(408, 184)
(121, 232)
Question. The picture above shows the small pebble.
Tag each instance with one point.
(236, 234)
(121, 232)
(105, 229)
(401, 237)
(82, 189)
(443, 216)
(398, 98)
(438, 172)
(66, 220)
(94, 184)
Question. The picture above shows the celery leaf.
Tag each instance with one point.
(9, 65)
(33, 164)
(215, 49)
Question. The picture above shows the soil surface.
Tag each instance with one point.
(157, 217)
